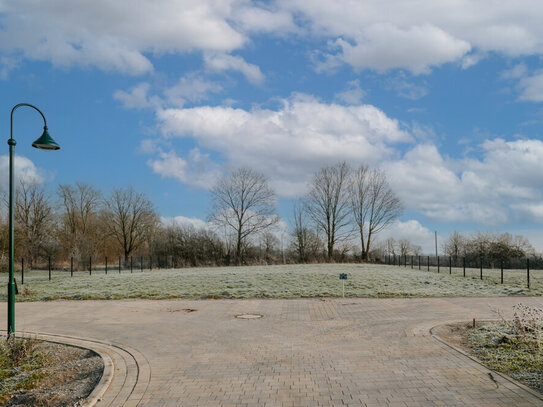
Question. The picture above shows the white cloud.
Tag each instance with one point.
(184, 221)
(352, 95)
(410, 230)
(502, 185)
(290, 143)
(197, 170)
(419, 35)
(385, 46)
(371, 34)
(191, 87)
(115, 35)
(135, 98)
(25, 171)
(531, 87)
(224, 62)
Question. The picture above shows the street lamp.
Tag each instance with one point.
(45, 142)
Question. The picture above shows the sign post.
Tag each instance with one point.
(343, 277)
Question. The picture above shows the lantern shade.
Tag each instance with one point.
(46, 142)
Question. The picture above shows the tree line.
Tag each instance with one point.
(338, 219)
(79, 221)
(492, 248)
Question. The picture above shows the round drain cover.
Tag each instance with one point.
(249, 316)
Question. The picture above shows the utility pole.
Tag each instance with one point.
(436, 241)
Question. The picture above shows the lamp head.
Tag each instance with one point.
(46, 142)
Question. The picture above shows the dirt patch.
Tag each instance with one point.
(68, 377)
(511, 360)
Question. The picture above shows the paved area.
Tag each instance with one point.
(308, 352)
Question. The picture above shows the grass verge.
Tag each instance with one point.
(22, 366)
(286, 281)
(514, 348)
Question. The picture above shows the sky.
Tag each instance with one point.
(168, 95)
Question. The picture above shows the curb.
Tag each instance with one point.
(474, 359)
(126, 374)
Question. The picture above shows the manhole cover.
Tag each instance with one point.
(249, 316)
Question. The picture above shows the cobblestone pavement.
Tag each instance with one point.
(307, 352)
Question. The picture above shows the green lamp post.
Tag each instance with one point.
(45, 142)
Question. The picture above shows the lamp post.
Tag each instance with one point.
(45, 142)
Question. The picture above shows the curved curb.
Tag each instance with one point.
(126, 374)
(474, 359)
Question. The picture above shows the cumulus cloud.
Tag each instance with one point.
(197, 169)
(114, 36)
(25, 170)
(224, 62)
(416, 48)
(135, 98)
(290, 143)
(503, 184)
(372, 34)
(192, 88)
(417, 36)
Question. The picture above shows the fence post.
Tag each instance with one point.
(106, 264)
(481, 268)
(438, 264)
(450, 265)
(411, 261)
(150, 263)
(119, 264)
(131, 268)
(72, 266)
(90, 266)
(405, 260)
(49, 268)
(419, 262)
(22, 270)
(428, 262)
(528, 272)
(464, 265)
(501, 271)
(141, 263)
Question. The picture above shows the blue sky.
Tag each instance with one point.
(167, 96)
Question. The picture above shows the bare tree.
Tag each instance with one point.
(391, 246)
(405, 247)
(130, 218)
(80, 206)
(244, 203)
(35, 220)
(328, 204)
(301, 234)
(374, 205)
(455, 246)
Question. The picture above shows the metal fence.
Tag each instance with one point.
(105, 265)
(525, 271)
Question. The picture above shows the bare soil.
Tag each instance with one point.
(71, 375)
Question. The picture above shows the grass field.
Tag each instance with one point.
(288, 281)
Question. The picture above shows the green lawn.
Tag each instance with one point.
(289, 281)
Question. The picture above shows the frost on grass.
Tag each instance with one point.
(513, 347)
(286, 281)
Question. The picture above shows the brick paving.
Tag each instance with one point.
(307, 352)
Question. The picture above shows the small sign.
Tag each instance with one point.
(343, 276)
